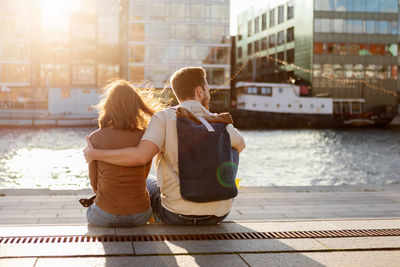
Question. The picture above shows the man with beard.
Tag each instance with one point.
(160, 138)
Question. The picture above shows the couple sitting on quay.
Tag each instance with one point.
(196, 164)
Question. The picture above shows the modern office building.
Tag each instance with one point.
(165, 35)
(345, 49)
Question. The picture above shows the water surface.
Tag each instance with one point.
(52, 158)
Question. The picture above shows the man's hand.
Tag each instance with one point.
(88, 150)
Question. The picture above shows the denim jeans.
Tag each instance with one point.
(97, 217)
(166, 216)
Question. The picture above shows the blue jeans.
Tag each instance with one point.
(97, 217)
(166, 216)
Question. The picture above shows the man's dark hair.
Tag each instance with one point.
(185, 80)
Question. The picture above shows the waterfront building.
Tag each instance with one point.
(56, 55)
(162, 36)
(345, 49)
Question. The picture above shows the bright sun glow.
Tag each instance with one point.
(56, 6)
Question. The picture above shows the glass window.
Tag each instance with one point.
(249, 49)
(159, 10)
(281, 37)
(257, 25)
(219, 12)
(392, 49)
(290, 34)
(364, 50)
(15, 73)
(348, 70)
(372, 6)
(271, 40)
(281, 16)
(326, 5)
(182, 31)
(326, 25)
(355, 26)
(338, 71)
(318, 48)
(256, 46)
(393, 27)
(327, 70)
(249, 29)
(178, 10)
(392, 6)
(382, 72)
(177, 53)
(272, 18)
(290, 56)
(198, 11)
(136, 73)
(137, 53)
(264, 43)
(202, 32)
(360, 5)
(281, 57)
(358, 71)
(136, 32)
(106, 72)
(338, 25)
(370, 72)
(393, 73)
(217, 34)
(343, 5)
(264, 21)
(199, 53)
(290, 10)
(83, 75)
(137, 9)
(383, 27)
(317, 25)
(317, 70)
(160, 31)
(239, 52)
(370, 26)
(54, 74)
(159, 53)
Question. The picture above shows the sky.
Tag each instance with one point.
(238, 6)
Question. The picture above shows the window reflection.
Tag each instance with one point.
(356, 26)
(281, 37)
(14, 73)
(54, 74)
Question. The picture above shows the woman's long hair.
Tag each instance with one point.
(124, 107)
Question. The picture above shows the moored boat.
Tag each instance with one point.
(274, 105)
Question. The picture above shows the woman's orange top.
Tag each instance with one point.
(119, 190)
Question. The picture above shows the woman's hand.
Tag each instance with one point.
(88, 150)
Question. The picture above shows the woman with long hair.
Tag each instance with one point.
(121, 195)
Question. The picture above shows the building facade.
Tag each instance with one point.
(345, 49)
(165, 35)
(55, 56)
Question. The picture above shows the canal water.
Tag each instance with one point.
(52, 158)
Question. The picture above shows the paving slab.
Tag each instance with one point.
(55, 230)
(377, 242)
(21, 262)
(189, 260)
(66, 249)
(226, 246)
(319, 259)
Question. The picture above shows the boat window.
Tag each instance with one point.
(289, 105)
(266, 105)
(280, 90)
(277, 105)
(254, 104)
(266, 91)
(300, 106)
(322, 106)
(312, 105)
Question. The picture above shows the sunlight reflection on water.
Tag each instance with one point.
(52, 158)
